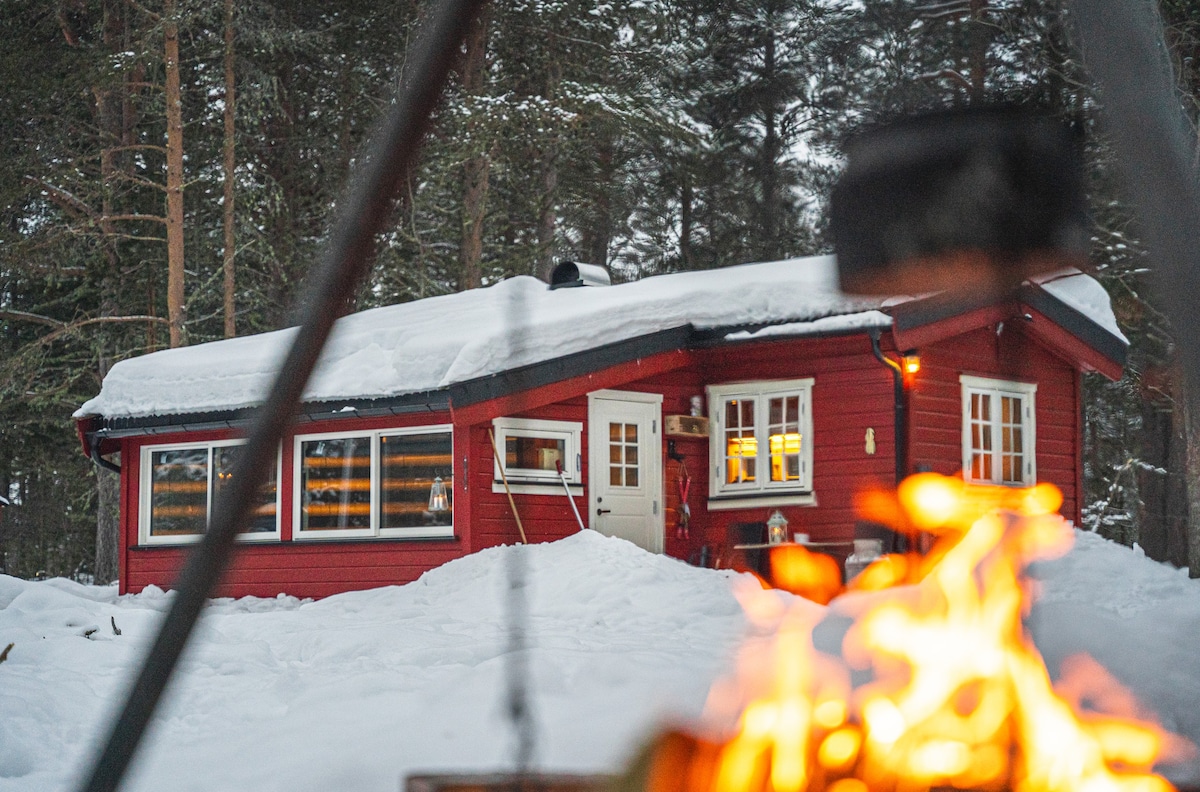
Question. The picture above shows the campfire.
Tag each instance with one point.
(937, 684)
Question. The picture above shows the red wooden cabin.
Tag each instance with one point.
(772, 388)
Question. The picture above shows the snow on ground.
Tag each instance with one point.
(355, 691)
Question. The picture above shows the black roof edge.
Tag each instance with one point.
(536, 375)
(927, 310)
(938, 307)
(716, 336)
(429, 401)
(1076, 323)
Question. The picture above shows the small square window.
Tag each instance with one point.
(531, 451)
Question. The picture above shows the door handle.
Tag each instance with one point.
(603, 511)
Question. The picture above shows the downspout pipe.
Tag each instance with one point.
(94, 453)
(900, 417)
(895, 542)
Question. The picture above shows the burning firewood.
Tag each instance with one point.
(950, 691)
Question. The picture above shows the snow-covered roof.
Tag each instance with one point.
(437, 342)
(1084, 294)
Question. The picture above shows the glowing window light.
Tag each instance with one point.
(741, 453)
(785, 456)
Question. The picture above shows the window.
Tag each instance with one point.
(180, 484)
(531, 450)
(998, 431)
(384, 483)
(761, 443)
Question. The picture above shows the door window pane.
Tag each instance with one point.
(335, 477)
(623, 454)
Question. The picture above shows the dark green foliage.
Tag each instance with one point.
(646, 135)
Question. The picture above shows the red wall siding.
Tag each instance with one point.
(544, 517)
(304, 569)
(852, 392)
(936, 403)
(312, 568)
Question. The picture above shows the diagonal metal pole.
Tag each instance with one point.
(345, 261)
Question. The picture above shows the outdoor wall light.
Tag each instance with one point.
(912, 363)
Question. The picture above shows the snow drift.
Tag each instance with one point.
(355, 691)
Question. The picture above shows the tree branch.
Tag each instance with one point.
(154, 218)
(63, 199)
(135, 179)
(30, 317)
(61, 326)
(136, 146)
(138, 6)
(946, 74)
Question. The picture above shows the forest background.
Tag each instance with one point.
(168, 170)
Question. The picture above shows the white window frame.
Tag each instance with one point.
(374, 531)
(763, 492)
(994, 389)
(144, 493)
(535, 482)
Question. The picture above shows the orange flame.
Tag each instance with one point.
(958, 696)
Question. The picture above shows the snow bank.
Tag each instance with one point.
(355, 691)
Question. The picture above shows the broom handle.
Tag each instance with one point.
(507, 491)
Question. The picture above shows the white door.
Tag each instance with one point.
(625, 488)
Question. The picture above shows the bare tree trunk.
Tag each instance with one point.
(112, 118)
(770, 246)
(685, 220)
(476, 169)
(108, 509)
(227, 209)
(547, 216)
(1191, 410)
(175, 302)
(978, 52)
(596, 236)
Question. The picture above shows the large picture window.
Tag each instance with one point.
(761, 441)
(396, 482)
(530, 451)
(998, 431)
(180, 484)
